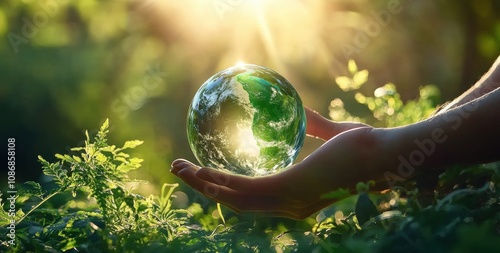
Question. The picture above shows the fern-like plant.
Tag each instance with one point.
(123, 220)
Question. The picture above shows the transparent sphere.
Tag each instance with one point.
(247, 120)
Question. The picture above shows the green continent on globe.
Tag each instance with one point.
(247, 120)
(270, 121)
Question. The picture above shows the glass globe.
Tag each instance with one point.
(246, 120)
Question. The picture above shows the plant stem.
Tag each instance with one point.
(37, 206)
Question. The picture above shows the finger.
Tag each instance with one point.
(187, 172)
(271, 185)
(179, 164)
(235, 182)
(219, 177)
(241, 201)
(210, 190)
(316, 124)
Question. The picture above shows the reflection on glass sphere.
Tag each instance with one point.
(247, 120)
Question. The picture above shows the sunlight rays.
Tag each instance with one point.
(267, 38)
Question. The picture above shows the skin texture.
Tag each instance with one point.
(487, 83)
(466, 131)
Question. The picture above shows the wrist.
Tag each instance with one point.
(389, 166)
(374, 151)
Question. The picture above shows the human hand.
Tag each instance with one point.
(296, 192)
(320, 127)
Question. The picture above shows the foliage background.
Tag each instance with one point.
(67, 66)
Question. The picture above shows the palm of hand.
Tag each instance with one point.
(296, 192)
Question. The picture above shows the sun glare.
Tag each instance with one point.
(282, 35)
(245, 142)
(240, 63)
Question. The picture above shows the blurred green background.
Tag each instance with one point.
(66, 66)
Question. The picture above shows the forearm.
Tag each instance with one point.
(488, 82)
(467, 134)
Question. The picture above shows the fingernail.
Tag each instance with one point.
(177, 161)
(175, 166)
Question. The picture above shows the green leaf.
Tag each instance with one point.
(104, 126)
(352, 67)
(77, 159)
(365, 209)
(42, 161)
(132, 144)
(164, 200)
(121, 159)
(135, 160)
(110, 148)
(360, 78)
(19, 213)
(344, 82)
(101, 158)
(121, 154)
(4, 215)
(65, 158)
(34, 188)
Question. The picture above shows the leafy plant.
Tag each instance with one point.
(386, 105)
(120, 219)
